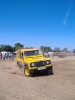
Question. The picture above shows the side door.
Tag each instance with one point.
(21, 58)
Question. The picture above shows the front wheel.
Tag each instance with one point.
(27, 72)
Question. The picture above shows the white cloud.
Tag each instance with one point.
(66, 17)
(68, 12)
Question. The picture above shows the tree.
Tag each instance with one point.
(74, 51)
(57, 50)
(29, 47)
(65, 50)
(14, 49)
(42, 48)
(45, 49)
(0, 48)
(18, 46)
(7, 48)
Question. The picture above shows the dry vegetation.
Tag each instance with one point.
(60, 86)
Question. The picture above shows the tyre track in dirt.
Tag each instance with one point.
(60, 86)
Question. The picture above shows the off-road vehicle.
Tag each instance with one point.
(32, 61)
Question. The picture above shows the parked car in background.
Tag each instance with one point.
(62, 55)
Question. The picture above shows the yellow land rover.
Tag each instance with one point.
(32, 61)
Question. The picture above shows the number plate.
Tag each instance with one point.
(41, 68)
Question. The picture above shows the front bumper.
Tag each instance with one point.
(42, 69)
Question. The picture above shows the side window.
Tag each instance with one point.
(21, 55)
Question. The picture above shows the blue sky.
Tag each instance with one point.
(38, 22)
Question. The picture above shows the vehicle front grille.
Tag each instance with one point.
(40, 63)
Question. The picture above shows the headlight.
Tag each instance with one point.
(32, 64)
(48, 62)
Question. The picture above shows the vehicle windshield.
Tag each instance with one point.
(31, 53)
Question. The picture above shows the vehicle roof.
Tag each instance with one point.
(24, 49)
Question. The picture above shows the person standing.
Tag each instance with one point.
(6, 56)
(10, 56)
(3, 56)
(0, 56)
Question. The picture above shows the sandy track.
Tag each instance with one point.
(60, 86)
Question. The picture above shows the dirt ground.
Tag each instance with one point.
(60, 86)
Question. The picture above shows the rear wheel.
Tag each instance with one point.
(18, 65)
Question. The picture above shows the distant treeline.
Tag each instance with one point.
(10, 48)
(17, 46)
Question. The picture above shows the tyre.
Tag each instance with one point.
(18, 65)
(27, 72)
(49, 71)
